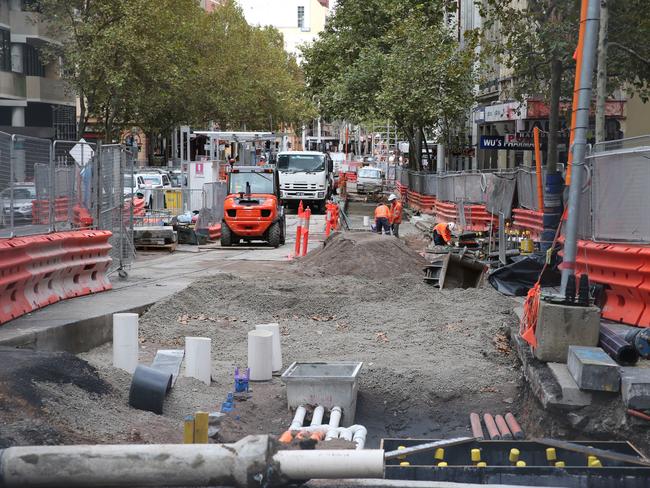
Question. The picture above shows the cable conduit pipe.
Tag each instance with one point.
(335, 417)
(317, 416)
(298, 418)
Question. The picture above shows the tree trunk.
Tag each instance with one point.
(426, 148)
(81, 123)
(416, 152)
(601, 76)
(554, 115)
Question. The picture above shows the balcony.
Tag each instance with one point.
(27, 25)
(48, 90)
(12, 85)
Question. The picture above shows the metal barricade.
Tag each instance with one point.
(619, 194)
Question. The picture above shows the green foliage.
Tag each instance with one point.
(392, 59)
(159, 63)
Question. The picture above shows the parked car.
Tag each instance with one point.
(145, 182)
(369, 179)
(24, 194)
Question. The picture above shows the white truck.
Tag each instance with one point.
(306, 176)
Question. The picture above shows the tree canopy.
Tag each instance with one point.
(160, 63)
(392, 59)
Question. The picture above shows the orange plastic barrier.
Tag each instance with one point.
(214, 232)
(40, 270)
(625, 270)
(446, 212)
(422, 203)
(478, 219)
(402, 190)
(81, 217)
(41, 210)
(351, 176)
(532, 220)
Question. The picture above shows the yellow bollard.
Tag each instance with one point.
(476, 455)
(401, 448)
(188, 430)
(482, 464)
(514, 455)
(521, 464)
(559, 464)
(439, 454)
(404, 463)
(551, 455)
(442, 464)
(201, 428)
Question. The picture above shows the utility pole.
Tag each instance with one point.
(580, 140)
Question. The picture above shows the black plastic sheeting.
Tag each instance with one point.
(517, 278)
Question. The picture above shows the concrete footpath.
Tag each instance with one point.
(80, 324)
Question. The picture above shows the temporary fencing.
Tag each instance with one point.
(36, 271)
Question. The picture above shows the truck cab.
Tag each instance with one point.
(306, 176)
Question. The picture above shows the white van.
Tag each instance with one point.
(370, 179)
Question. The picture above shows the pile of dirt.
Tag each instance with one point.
(364, 254)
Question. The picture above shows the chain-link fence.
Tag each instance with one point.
(55, 186)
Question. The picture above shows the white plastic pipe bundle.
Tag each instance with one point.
(276, 359)
(260, 355)
(198, 358)
(125, 341)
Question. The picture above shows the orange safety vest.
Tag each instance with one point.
(396, 209)
(382, 211)
(444, 231)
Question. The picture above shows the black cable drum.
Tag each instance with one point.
(148, 389)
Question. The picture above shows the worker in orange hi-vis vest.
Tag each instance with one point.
(382, 218)
(395, 214)
(442, 233)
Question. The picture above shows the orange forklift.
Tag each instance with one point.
(252, 209)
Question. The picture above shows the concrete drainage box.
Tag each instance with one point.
(328, 384)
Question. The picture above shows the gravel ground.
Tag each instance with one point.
(430, 356)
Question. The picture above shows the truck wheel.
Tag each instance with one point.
(275, 235)
(226, 236)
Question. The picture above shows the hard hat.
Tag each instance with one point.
(451, 225)
(392, 197)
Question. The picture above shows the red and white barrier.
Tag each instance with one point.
(40, 270)
(532, 220)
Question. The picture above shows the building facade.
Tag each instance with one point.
(299, 21)
(33, 99)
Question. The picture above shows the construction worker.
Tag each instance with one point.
(442, 233)
(395, 214)
(382, 218)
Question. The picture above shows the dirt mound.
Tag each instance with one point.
(364, 254)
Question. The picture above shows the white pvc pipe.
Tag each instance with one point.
(366, 221)
(260, 355)
(276, 358)
(335, 417)
(125, 341)
(198, 358)
(359, 434)
(331, 464)
(317, 416)
(298, 418)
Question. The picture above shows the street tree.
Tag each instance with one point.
(395, 60)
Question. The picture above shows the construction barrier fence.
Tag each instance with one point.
(56, 186)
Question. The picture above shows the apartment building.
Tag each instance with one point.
(299, 21)
(33, 99)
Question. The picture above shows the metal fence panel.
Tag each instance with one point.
(404, 179)
(620, 195)
(431, 184)
(527, 188)
(500, 194)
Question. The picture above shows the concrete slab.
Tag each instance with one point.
(560, 326)
(635, 387)
(593, 369)
(571, 393)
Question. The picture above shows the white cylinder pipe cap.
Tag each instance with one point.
(198, 358)
(276, 360)
(125, 341)
(260, 355)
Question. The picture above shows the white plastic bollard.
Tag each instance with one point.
(366, 221)
(125, 341)
(198, 358)
(274, 328)
(260, 355)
